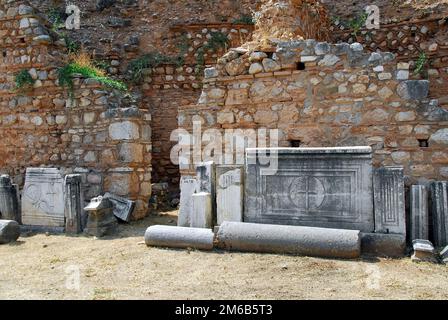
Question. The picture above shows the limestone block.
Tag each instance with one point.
(423, 251)
(229, 194)
(202, 216)
(188, 186)
(125, 130)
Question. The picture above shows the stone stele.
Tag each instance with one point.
(229, 193)
(43, 198)
(316, 187)
(390, 214)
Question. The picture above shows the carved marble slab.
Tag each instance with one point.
(317, 187)
(43, 198)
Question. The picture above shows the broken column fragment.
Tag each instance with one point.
(9, 231)
(310, 241)
(179, 237)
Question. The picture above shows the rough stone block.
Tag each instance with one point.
(101, 220)
(439, 200)
(43, 198)
(202, 216)
(419, 212)
(188, 186)
(179, 237)
(9, 231)
(389, 200)
(229, 194)
(423, 251)
(320, 242)
(125, 130)
(317, 187)
(413, 89)
(383, 245)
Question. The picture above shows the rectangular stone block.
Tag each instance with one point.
(419, 212)
(188, 186)
(123, 208)
(316, 187)
(43, 198)
(229, 193)
(206, 175)
(389, 202)
(439, 200)
(74, 204)
(202, 210)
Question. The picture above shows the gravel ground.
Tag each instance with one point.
(122, 267)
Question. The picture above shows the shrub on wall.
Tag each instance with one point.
(24, 80)
(82, 65)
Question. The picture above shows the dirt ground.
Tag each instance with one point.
(122, 267)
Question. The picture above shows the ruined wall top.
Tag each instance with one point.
(291, 20)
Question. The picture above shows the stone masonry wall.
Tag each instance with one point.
(93, 134)
(341, 96)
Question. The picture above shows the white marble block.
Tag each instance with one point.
(202, 216)
(188, 186)
(229, 194)
(43, 198)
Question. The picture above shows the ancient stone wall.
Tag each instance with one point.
(92, 133)
(343, 96)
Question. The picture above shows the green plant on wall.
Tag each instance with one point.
(149, 61)
(217, 41)
(81, 65)
(421, 63)
(56, 17)
(244, 19)
(24, 80)
(357, 23)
